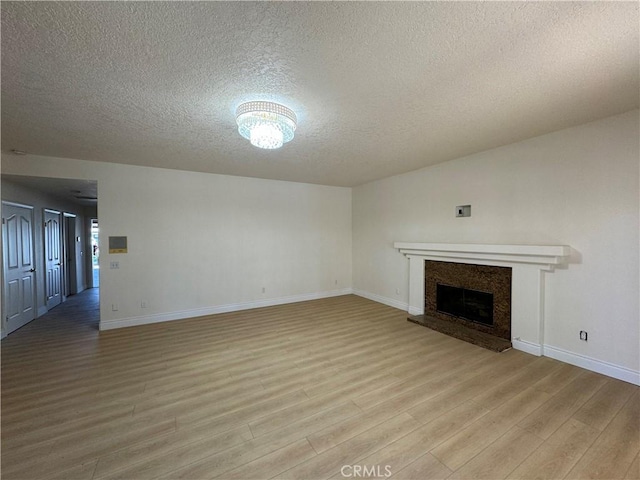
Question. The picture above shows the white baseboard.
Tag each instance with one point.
(3, 334)
(233, 307)
(527, 347)
(598, 366)
(380, 299)
(41, 310)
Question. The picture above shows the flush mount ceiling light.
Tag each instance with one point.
(266, 124)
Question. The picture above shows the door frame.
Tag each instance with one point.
(53, 211)
(90, 276)
(3, 319)
(69, 272)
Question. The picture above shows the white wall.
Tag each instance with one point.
(576, 187)
(21, 194)
(201, 243)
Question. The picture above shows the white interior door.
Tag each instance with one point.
(53, 257)
(19, 267)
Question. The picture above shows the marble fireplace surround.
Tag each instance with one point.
(528, 263)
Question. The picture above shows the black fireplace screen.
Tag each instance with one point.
(468, 304)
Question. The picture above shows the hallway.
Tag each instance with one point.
(79, 312)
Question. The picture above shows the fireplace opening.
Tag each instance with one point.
(471, 305)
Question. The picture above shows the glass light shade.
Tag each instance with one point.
(266, 124)
(266, 135)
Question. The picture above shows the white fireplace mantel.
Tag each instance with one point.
(528, 264)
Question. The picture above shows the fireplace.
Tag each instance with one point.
(529, 265)
(469, 297)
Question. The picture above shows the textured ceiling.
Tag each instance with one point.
(380, 88)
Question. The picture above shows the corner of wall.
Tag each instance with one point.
(384, 300)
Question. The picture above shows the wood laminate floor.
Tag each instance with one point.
(334, 388)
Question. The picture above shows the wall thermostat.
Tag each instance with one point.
(117, 244)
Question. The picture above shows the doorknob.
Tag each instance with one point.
(32, 270)
(58, 264)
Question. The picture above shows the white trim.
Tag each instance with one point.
(384, 300)
(599, 366)
(542, 256)
(531, 254)
(527, 347)
(232, 307)
(588, 363)
(3, 334)
(15, 204)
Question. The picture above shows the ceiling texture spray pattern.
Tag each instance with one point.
(379, 88)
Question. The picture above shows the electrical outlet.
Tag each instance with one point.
(264, 289)
(114, 307)
(114, 265)
(143, 304)
(583, 335)
(397, 291)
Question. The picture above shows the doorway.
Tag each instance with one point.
(53, 257)
(19, 265)
(95, 253)
(70, 252)
(60, 251)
